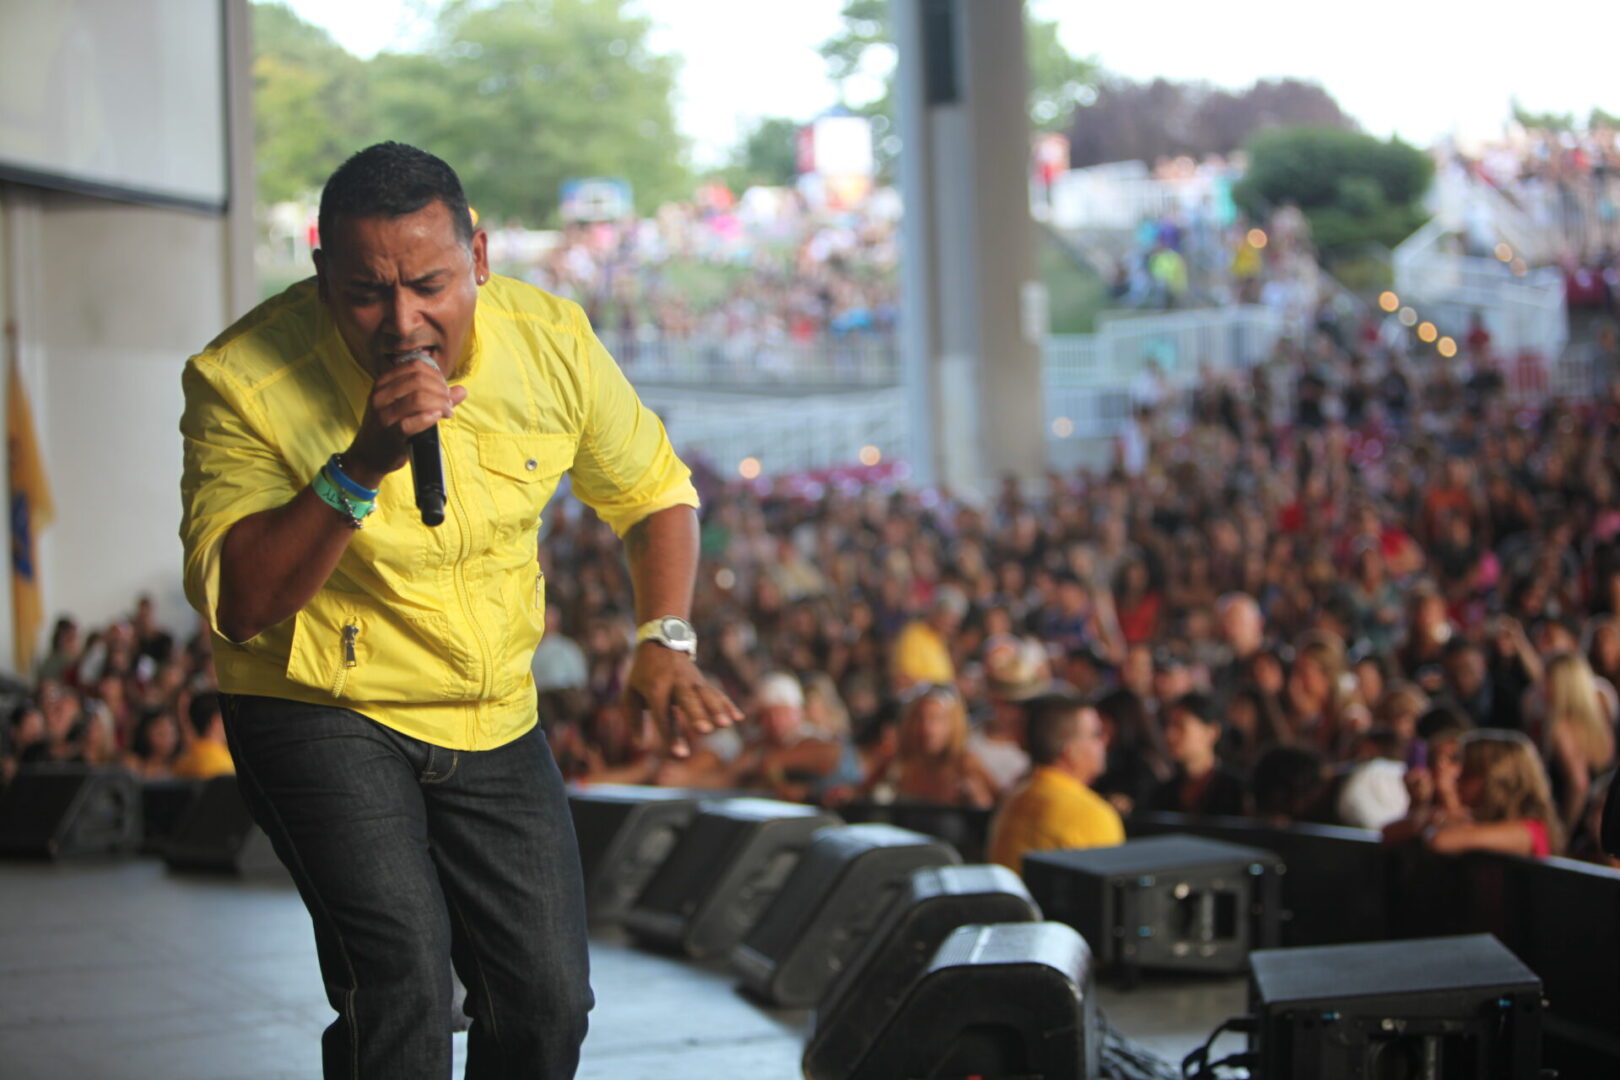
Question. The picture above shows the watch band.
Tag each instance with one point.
(670, 631)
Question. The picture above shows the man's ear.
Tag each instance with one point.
(480, 256)
(321, 289)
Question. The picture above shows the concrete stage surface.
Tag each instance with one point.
(126, 971)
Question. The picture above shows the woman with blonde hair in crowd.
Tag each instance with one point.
(1577, 734)
(1507, 802)
(932, 763)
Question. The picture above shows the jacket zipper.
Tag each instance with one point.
(351, 634)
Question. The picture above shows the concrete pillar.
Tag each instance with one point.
(975, 311)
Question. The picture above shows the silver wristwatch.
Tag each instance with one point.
(670, 631)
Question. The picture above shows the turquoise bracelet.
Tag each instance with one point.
(353, 510)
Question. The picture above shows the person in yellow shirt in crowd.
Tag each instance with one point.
(207, 755)
(922, 651)
(1055, 809)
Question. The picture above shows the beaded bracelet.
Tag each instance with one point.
(334, 468)
(353, 510)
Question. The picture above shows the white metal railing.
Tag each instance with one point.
(1090, 383)
(754, 360)
(1523, 311)
(1176, 345)
(785, 434)
(1464, 205)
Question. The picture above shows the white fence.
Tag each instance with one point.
(728, 413)
(1523, 311)
(784, 434)
(1175, 344)
(752, 360)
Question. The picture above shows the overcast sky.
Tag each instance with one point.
(1420, 68)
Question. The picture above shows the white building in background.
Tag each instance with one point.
(126, 244)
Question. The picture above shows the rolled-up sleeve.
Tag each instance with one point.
(625, 468)
(229, 473)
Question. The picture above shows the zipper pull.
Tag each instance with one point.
(350, 633)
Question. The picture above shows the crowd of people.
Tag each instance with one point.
(127, 694)
(1344, 586)
(792, 273)
(1387, 597)
(1567, 182)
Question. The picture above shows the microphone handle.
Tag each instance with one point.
(427, 473)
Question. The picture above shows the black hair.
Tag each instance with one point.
(1199, 706)
(1443, 717)
(1053, 721)
(141, 744)
(392, 180)
(204, 707)
(1458, 646)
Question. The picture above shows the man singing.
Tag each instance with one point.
(378, 697)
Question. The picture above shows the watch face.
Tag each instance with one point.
(677, 630)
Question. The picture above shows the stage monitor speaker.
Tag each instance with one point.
(965, 828)
(1458, 1008)
(164, 804)
(1609, 831)
(824, 912)
(1008, 1001)
(63, 811)
(933, 903)
(218, 835)
(724, 872)
(625, 833)
(1175, 902)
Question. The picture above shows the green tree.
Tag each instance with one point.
(1545, 121)
(524, 94)
(1058, 80)
(309, 103)
(1353, 188)
(768, 154)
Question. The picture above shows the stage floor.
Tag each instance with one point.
(124, 971)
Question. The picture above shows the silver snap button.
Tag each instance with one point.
(531, 464)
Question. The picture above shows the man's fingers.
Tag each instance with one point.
(693, 709)
(721, 710)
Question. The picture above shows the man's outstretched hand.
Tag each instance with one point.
(668, 687)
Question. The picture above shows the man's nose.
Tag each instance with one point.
(404, 315)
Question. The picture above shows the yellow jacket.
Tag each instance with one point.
(1052, 811)
(205, 760)
(921, 656)
(429, 631)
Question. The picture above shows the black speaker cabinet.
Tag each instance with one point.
(728, 865)
(62, 811)
(164, 805)
(933, 903)
(1609, 832)
(1009, 1001)
(625, 833)
(965, 828)
(1177, 902)
(1459, 1008)
(824, 912)
(218, 835)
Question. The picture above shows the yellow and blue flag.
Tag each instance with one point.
(31, 510)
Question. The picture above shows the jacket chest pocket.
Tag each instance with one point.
(521, 472)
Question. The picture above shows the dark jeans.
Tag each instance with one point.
(411, 857)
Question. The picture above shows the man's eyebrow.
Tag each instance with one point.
(361, 280)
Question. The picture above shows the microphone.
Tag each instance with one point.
(427, 469)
